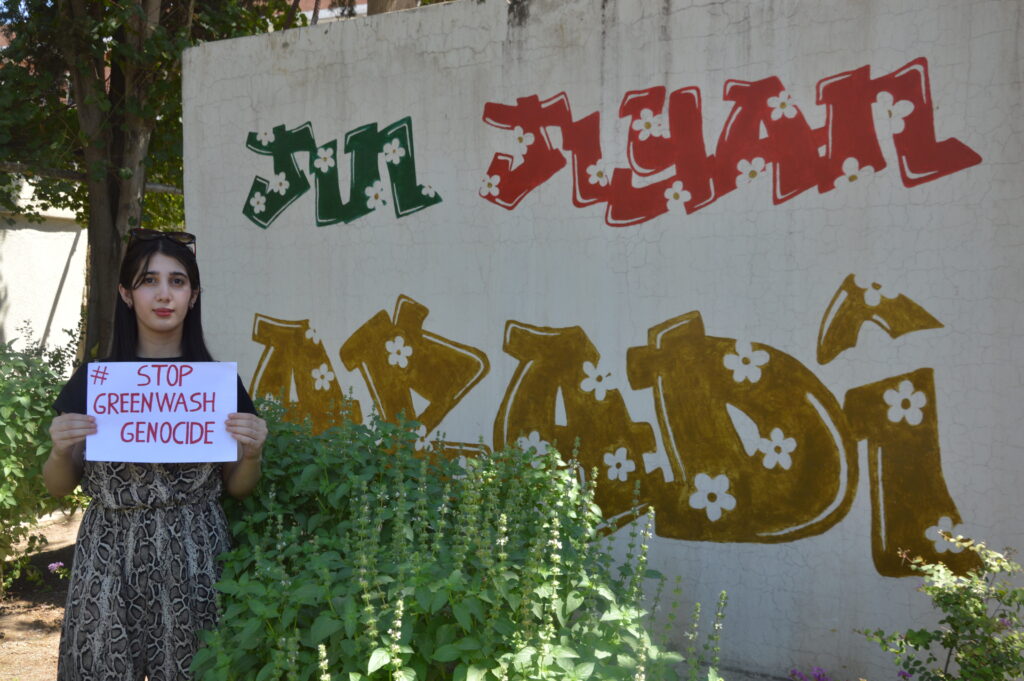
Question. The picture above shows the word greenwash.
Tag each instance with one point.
(153, 402)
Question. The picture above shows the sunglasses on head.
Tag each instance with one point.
(181, 238)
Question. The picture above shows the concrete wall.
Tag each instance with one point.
(763, 258)
(42, 277)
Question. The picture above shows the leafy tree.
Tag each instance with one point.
(90, 115)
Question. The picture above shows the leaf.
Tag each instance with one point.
(475, 673)
(378, 658)
(447, 653)
(324, 625)
(405, 675)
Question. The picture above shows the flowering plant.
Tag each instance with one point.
(981, 634)
(359, 557)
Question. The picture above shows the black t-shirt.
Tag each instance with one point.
(72, 398)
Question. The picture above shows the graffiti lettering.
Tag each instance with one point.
(765, 129)
(755, 447)
(268, 199)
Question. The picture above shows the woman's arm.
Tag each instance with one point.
(241, 476)
(63, 468)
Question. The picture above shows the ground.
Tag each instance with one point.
(30, 616)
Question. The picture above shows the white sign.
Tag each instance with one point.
(161, 412)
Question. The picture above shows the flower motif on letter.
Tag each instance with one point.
(534, 442)
(782, 106)
(676, 197)
(853, 172)
(258, 203)
(312, 335)
(375, 196)
(746, 364)
(600, 173)
(324, 159)
(265, 137)
(889, 114)
(905, 403)
(521, 139)
(429, 191)
(489, 185)
(750, 170)
(712, 495)
(596, 380)
(322, 377)
(777, 449)
(619, 464)
(873, 291)
(946, 525)
(279, 184)
(393, 151)
(398, 352)
(650, 125)
(422, 441)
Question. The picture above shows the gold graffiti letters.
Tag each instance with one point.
(754, 448)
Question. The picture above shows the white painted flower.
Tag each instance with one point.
(777, 449)
(853, 172)
(650, 125)
(619, 464)
(324, 159)
(600, 173)
(489, 185)
(746, 363)
(873, 291)
(322, 377)
(265, 137)
(596, 380)
(258, 203)
(312, 335)
(393, 151)
(422, 441)
(521, 139)
(279, 184)
(429, 191)
(539, 447)
(676, 197)
(375, 196)
(712, 495)
(941, 544)
(750, 170)
(889, 113)
(398, 352)
(905, 403)
(782, 106)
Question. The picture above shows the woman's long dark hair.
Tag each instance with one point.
(124, 344)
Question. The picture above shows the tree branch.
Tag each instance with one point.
(57, 174)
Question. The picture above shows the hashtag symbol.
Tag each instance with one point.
(99, 375)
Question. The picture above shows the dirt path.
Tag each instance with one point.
(31, 614)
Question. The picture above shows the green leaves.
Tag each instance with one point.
(981, 633)
(412, 569)
(29, 382)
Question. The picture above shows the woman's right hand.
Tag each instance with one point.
(68, 430)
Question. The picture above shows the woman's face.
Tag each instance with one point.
(163, 297)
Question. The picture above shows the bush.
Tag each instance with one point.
(360, 558)
(29, 382)
(981, 634)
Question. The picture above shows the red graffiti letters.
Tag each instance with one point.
(670, 169)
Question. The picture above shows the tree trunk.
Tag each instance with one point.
(382, 6)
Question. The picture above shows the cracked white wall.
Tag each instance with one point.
(754, 269)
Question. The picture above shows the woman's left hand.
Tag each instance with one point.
(250, 431)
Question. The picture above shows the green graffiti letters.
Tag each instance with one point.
(364, 145)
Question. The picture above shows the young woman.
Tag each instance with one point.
(145, 562)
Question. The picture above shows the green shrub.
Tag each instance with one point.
(980, 636)
(29, 382)
(360, 558)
